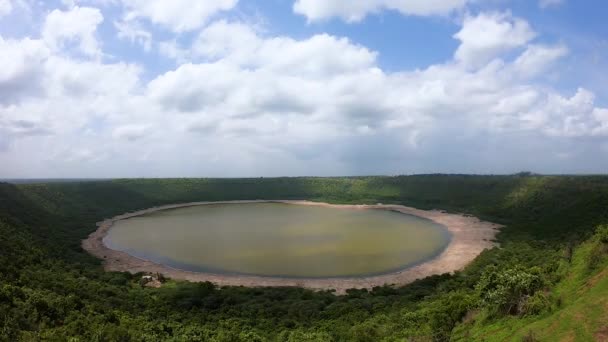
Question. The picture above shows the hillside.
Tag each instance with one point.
(577, 305)
(547, 282)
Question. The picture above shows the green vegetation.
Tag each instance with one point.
(547, 282)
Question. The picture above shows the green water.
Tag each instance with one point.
(274, 239)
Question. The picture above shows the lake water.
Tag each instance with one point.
(275, 239)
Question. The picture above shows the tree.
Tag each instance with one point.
(506, 291)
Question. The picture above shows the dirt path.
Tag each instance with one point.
(470, 236)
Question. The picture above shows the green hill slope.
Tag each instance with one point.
(576, 307)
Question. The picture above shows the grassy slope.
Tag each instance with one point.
(582, 313)
(41, 226)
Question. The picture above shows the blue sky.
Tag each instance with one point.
(131, 88)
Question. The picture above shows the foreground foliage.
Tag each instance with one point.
(550, 269)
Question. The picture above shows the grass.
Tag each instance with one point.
(582, 314)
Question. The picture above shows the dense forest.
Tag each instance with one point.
(547, 281)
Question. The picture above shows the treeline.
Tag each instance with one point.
(51, 290)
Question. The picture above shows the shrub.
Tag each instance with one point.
(506, 291)
(535, 304)
(601, 234)
(599, 250)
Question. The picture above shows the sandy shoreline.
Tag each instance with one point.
(470, 236)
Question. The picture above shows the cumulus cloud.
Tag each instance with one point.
(133, 32)
(241, 102)
(353, 11)
(20, 75)
(51, 100)
(537, 58)
(177, 15)
(321, 55)
(487, 35)
(571, 117)
(601, 115)
(247, 74)
(69, 100)
(77, 25)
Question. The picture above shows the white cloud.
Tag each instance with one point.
(353, 11)
(172, 50)
(48, 101)
(487, 35)
(243, 102)
(549, 3)
(68, 99)
(537, 58)
(177, 15)
(570, 117)
(321, 55)
(20, 75)
(601, 115)
(132, 31)
(73, 79)
(77, 26)
(5, 7)
(130, 132)
(246, 74)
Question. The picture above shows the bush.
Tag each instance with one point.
(601, 234)
(536, 304)
(599, 250)
(507, 291)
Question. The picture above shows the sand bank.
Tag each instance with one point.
(470, 236)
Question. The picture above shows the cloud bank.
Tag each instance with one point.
(241, 102)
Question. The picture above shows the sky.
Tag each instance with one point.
(251, 88)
